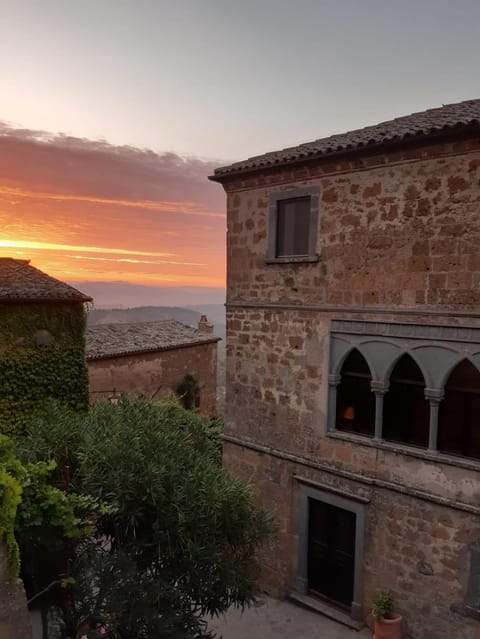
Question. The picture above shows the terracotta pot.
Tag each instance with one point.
(388, 628)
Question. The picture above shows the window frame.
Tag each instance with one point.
(312, 192)
(436, 348)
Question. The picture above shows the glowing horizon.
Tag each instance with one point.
(91, 213)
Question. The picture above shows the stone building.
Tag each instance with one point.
(153, 359)
(42, 342)
(42, 355)
(353, 358)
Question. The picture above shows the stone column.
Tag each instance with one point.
(333, 381)
(434, 396)
(379, 387)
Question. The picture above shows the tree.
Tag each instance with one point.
(174, 540)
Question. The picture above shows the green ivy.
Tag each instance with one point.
(31, 373)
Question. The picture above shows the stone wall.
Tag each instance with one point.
(158, 373)
(397, 241)
(394, 230)
(14, 618)
(278, 359)
(418, 549)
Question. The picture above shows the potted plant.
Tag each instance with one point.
(386, 624)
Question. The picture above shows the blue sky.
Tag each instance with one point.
(225, 79)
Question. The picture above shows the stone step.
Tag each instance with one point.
(323, 608)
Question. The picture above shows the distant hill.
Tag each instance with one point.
(126, 295)
(142, 314)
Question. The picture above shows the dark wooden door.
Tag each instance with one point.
(331, 552)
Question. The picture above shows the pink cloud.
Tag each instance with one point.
(62, 198)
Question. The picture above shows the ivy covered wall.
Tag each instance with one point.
(42, 355)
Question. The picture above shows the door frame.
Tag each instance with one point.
(312, 490)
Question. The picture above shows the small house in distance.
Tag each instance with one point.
(154, 359)
(42, 342)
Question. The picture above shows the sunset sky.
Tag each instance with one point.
(114, 112)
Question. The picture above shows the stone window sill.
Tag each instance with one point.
(292, 259)
(399, 449)
(466, 611)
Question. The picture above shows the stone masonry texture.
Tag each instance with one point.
(14, 619)
(398, 238)
(156, 374)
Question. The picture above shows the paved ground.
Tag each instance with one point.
(275, 619)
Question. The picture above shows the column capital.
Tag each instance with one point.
(334, 380)
(379, 387)
(434, 395)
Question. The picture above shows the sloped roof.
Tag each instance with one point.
(419, 125)
(22, 282)
(113, 340)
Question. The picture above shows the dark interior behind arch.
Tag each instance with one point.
(355, 399)
(459, 415)
(406, 413)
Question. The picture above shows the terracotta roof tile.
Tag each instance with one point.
(20, 281)
(112, 340)
(422, 124)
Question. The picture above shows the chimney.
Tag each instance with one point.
(204, 325)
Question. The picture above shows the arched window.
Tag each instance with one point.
(355, 399)
(406, 412)
(459, 415)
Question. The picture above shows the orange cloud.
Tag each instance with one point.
(88, 211)
(187, 208)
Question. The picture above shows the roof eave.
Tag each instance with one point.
(45, 300)
(157, 349)
(440, 135)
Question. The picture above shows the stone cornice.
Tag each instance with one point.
(353, 476)
(469, 334)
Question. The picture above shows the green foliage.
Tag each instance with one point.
(53, 433)
(11, 475)
(176, 536)
(48, 516)
(53, 516)
(383, 606)
(31, 373)
(34, 512)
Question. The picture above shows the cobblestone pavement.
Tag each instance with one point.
(274, 619)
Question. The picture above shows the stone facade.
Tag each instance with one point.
(157, 373)
(397, 242)
(14, 618)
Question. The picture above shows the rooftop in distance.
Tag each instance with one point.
(22, 282)
(112, 340)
